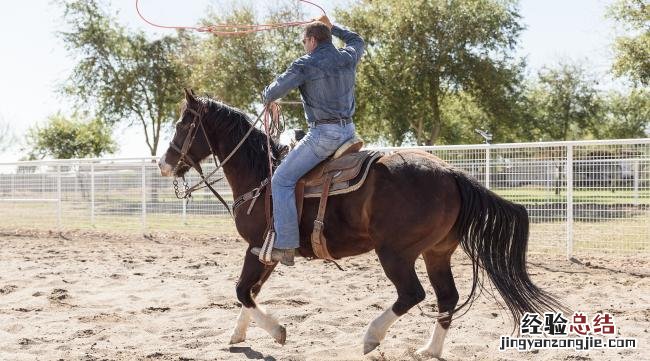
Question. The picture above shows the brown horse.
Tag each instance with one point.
(411, 204)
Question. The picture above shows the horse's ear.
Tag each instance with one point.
(189, 95)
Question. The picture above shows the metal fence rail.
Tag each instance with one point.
(581, 196)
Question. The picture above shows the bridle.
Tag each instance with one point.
(189, 139)
(183, 159)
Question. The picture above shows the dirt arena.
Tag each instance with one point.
(93, 296)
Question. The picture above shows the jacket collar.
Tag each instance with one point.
(323, 45)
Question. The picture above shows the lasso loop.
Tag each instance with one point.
(232, 29)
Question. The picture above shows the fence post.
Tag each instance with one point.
(487, 166)
(569, 201)
(13, 184)
(58, 197)
(144, 196)
(184, 215)
(636, 182)
(92, 194)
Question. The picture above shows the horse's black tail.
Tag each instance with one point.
(494, 234)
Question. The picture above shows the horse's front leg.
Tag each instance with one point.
(253, 276)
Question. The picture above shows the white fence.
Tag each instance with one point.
(581, 196)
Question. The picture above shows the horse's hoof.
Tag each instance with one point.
(234, 339)
(369, 346)
(281, 337)
(425, 352)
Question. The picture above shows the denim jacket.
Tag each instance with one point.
(325, 78)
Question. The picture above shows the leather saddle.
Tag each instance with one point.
(344, 172)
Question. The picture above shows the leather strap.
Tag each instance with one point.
(341, 121)
(214, 191)
(268, 208)
(253, 194)
(318, 241)
(209, 185)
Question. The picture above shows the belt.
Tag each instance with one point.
(341, 121)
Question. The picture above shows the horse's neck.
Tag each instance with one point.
(237, 170)
(240, 177)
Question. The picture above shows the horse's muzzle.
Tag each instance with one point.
(166, 170)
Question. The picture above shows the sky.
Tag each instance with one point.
(34, 63)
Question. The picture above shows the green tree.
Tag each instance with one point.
(632, 51)
(232, 68)
(563, 102)
(462, 116)
(624, 115)
(235, 69)
(285, 47)
(123, 75)
(65, 138)
(422, 55)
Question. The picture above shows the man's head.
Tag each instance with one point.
(315, 33)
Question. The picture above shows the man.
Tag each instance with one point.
(325, 77)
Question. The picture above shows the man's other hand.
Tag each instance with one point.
(325, 20)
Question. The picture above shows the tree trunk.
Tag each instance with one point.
(435, 126)
(418, 131)
(434, 89)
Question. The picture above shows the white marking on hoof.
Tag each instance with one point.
(236, 338)
(434, 347)
(377, 330)
(369, 346)
(269, 324)
(281, 335)
(239, 333)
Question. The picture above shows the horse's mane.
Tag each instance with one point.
(225, 119)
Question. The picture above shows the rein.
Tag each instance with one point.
(272, 126)
(186, 193)
(271, 115)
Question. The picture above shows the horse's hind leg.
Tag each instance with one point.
(439, 270)
(409, 293)
(253, 276)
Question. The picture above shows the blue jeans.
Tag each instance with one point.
(320, 142)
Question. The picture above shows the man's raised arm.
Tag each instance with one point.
(354, 44)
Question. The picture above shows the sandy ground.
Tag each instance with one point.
(91, 296)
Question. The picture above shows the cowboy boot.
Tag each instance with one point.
(284, 256)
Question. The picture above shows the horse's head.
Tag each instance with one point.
(189, 146)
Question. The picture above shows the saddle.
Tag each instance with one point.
(344, 172)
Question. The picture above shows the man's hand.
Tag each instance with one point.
(273, 108)
(325, 20)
